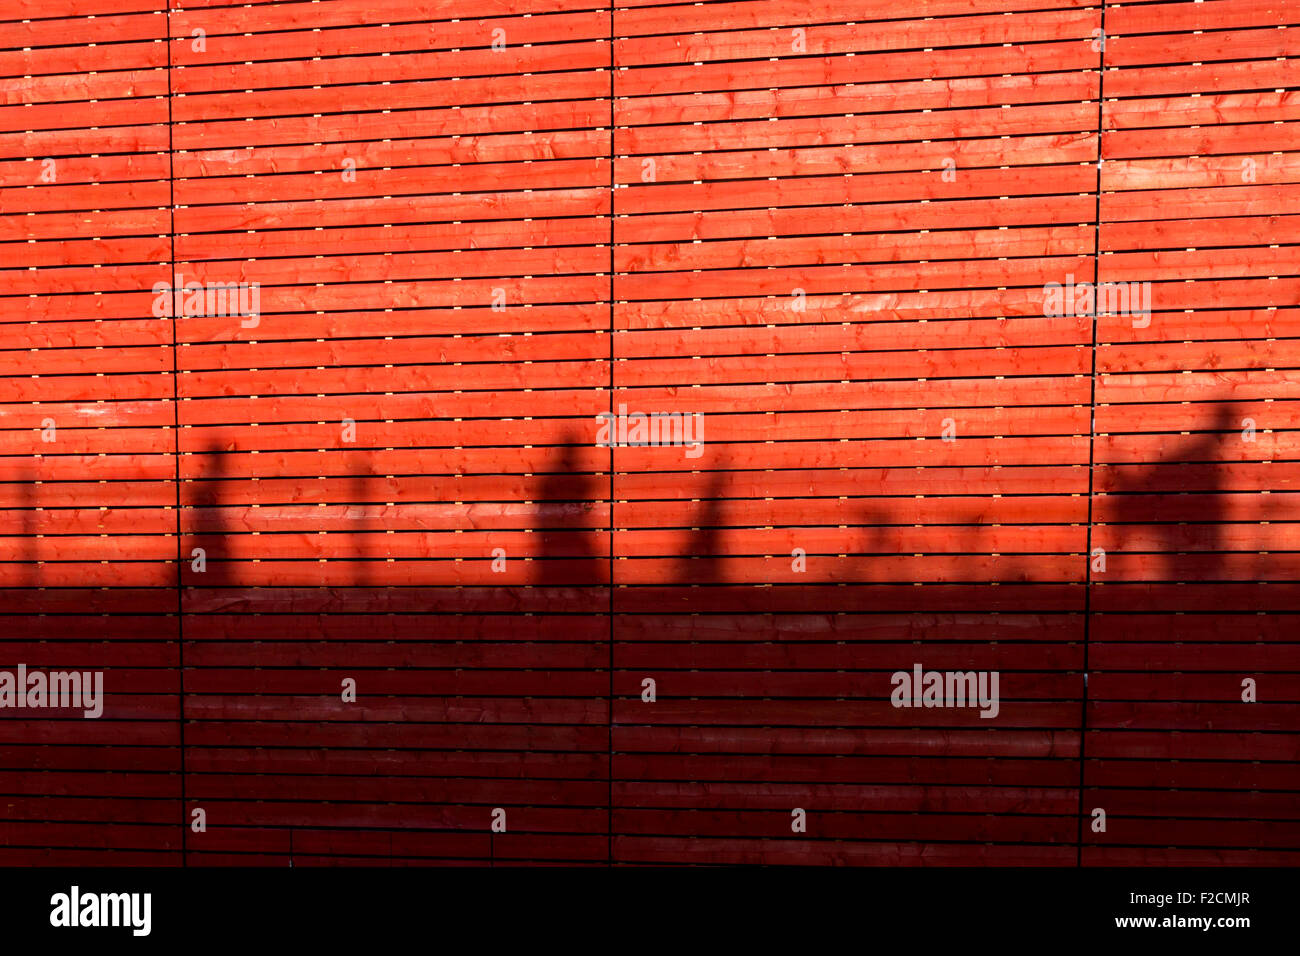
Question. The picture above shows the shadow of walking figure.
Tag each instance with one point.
(701, 558)
(1195, 464)
(572, 550)
(207, 528)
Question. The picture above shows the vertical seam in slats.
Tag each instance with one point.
(609, 814)
(1092, 433)
(176, 441)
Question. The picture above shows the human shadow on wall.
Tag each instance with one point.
(571, 552)
(1142, 504)
(701, 557)
(208, 528)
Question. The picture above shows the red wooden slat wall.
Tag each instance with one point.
(824, 227)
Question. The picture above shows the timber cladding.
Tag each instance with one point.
(774, 431)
